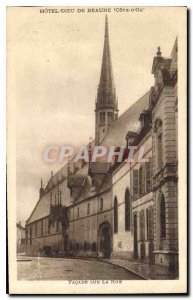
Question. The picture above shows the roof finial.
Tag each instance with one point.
(159, 52)
(106, 27)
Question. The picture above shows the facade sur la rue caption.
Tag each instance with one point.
(124, 210)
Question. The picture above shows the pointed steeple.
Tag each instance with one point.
(106, 90)
(41, 189)
(106, 109)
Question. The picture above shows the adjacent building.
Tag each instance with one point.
(20, 238)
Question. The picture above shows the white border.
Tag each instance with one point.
(3, 97)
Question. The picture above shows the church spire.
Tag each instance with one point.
(106, 27)
(106, 103)
(106, 90)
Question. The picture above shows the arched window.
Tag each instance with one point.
(162, 218)
(127, 211)
(115, 215)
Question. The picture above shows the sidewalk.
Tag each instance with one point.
(144, 270)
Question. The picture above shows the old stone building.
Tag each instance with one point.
(119, 209)
(145, 194)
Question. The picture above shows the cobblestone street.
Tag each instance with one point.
(39, 268)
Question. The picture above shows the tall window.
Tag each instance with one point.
(77, 212)
(159, 142)
(148, 175)
(135, 183)
(142, 225)
(162, 218)
(149, 223)
(142, 179)
(109, 117)
(102, 118)
(115, 215)
(48, 225)
(88, 209)
(101, 204)
(127, 211)
(159, 151)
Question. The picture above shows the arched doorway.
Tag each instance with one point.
(105, 234)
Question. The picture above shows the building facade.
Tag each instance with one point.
(120, 209)
(146, 193)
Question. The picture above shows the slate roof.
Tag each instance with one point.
(115, 136)
(128, 121)
(76, 180)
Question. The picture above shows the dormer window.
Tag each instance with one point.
(145, 118)
(158, 78)
(142, 120)
(130, 138)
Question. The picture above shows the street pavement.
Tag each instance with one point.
(41, 268)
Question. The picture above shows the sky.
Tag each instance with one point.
(54, 63)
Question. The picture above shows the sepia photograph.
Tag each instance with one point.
(96, 143)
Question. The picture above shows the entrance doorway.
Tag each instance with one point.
(105, 240)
